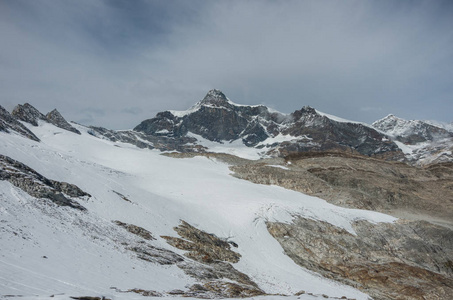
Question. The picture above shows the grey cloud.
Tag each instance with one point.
(339, 57)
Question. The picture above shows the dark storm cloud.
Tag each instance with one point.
(130, 59)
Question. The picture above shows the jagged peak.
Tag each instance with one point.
(215, 97)
(28, 113)
(304, 111)
(57, 119)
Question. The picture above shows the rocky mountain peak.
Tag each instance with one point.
(28, 113)
(216, 118)
(306, 112)
(410, 131)
(55, 118)
(8, 123)
(388, 123)
(215, 98)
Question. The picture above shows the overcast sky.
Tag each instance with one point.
(115, 63)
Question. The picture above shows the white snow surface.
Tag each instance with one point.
(235, 147)
(82, 255)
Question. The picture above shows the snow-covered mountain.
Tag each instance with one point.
(218, 119)
(87, 211)
(422, 142)
(411, 132)
(53, 249)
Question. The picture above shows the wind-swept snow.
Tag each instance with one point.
(162, 191)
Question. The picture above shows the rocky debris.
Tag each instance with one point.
(137, 230)
(154, 254)
(216, 278)
(39, 186)
(202, 246)
(404, 260)
(211, 263)
(27, 113)
(355, 181)
(9, 124)
(54, 117)
(209, 290)
(219, 289)
(122, 197)
(146, 293)
(90, 298)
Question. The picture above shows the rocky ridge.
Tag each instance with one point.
(36, 185)
(218, 119)
(9, 123)
(28, 113)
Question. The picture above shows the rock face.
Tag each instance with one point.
(28, 113)
(202, 247)
(141, 140)
(406, 260)
(55, 118)
(39, 186)
(8, 123)
(219, 278)
(218, 119)
(325, 134)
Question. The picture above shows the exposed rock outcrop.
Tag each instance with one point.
(406, 260)
(215, 257)
(39, 186)
(137, 230)
(55, 118)
(163, 143)
(202, 246)
(27, 113)
(9, 124)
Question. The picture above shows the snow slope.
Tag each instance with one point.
(82, 254)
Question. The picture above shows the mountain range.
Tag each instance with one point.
(225, 201)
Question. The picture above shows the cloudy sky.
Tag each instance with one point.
(115, 63)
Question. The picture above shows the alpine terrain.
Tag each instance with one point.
(225, 201)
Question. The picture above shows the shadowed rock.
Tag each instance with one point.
(55, 118)
(39, 186)
(28, 113)
(9, 124)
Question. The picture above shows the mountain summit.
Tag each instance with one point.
(215, 98)
(216, 118)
